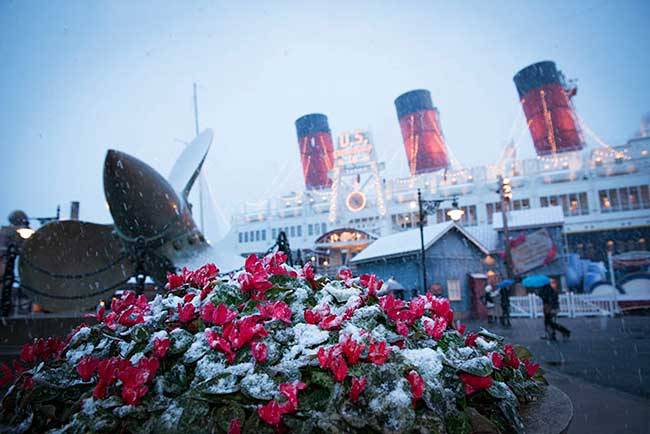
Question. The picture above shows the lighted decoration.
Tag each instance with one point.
(356, 201)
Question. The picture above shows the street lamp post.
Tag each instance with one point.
(427, 207)
(505, 192)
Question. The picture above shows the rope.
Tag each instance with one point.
(72, 276)
(72, 297)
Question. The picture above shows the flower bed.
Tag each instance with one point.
(270, 349)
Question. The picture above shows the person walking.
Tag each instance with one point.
(489, 302)
(550, 297)
(505, 306)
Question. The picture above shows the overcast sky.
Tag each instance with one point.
(80, 77)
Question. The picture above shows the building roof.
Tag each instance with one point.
(409, 241)
(486, 235)
(526, 218)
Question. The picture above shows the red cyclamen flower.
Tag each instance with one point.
(234, 427)
(160, 347)
(511, 357)
(87, 366)
(278, 310)
(378, 352)
(358, 386)
(417, 385)
(290, 391)
(531, 368)
(186, 313)
(435, 328)
(352, 350)
(474, 383)
(339, 368)
(260, 351)
(497, 360)
(470, 339)
(174, 281)
(271, 413)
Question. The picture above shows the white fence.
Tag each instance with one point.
(571, 305)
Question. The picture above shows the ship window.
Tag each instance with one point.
(624, 198)
(572, 204)
(633, 198)
(605, 204)
(584, 204)
(645, 196)
(613, 198)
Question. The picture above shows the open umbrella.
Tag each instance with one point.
(535, 281)
(505, 283)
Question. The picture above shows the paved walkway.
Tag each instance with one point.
(604, 368)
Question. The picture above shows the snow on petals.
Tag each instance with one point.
(278, 310)
(378, 352)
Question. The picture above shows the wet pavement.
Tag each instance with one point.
(604, 368)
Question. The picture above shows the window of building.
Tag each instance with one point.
(274, 233)
(310, 229)
(572, 204)
(293, 231)
(299, 231)
(245, 237)
(624, 198)
(453, 290)
(468, 219)
(323, 227)
(257, 235)
(241, 237)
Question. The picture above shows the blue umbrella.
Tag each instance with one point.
(535, 281)
(505, 283)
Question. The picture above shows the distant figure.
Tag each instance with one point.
(490, 302)
(505, 306)
(551, 299)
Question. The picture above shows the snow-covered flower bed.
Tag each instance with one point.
(272, 348)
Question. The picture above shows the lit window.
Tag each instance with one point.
(453, 290)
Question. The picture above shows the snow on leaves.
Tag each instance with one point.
(271, 347)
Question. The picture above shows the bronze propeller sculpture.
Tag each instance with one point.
(71, 265)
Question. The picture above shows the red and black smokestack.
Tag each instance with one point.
(423, 140)
(550, 115)
(316, 150)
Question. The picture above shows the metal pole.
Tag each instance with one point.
(421, 224)
(506, 232)
(610, 264)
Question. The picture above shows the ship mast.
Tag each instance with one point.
(196, 127)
